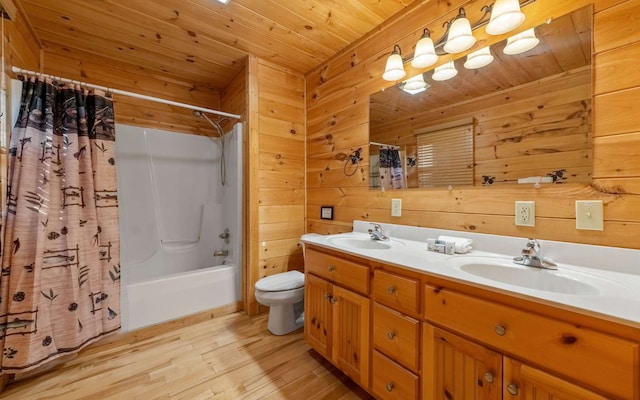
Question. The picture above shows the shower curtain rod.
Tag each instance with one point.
(392, 146)
(17, 70)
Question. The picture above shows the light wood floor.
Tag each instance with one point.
(229, 357)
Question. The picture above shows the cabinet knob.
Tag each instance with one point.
(512, 388)
(332, 300)
(500, 330)
(391, 335)
(390, 387)
(391, 290)
(488, 377)
(331, 268)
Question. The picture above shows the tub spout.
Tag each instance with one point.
(223, 253)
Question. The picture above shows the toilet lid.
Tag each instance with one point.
(282, 281)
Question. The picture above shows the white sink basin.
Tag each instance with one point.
(363, 242)
(531, 278)
(560, 281)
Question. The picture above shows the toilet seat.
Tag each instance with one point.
(280, 282)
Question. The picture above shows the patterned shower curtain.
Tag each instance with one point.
(391, 172)
(60, 282)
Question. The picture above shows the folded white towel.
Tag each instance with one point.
(461, 245)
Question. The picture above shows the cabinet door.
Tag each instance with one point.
(351, 336)
(317, 314)
(522, 382)
(457, 369)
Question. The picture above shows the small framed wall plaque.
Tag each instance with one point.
(326, 212)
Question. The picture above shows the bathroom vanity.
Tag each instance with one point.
(405, 323)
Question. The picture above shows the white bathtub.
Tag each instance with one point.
(178, 295)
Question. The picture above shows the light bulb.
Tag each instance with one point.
(460, 37)
(523, 41)
(394, 69)
(505, 17)
(425, 54)
(479, 59)
(445, 71)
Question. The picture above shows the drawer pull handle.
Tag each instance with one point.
(512, 389)
(391, 335)
(488, 377)
(331, 268)
(391, 290)
(500, 330)
(390, 387)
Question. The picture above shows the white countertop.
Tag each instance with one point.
(618, 289)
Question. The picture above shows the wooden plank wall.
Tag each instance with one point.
(337, 113)
(234, 99)
(98, 70)
(20, 48)
(276, 198)
(530, 130)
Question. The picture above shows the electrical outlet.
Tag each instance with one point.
(396, 207)
(525, 213)
(589, 215)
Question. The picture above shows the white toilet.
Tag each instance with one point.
(283, 293)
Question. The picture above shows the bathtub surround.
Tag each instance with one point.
(174, 210)
(60, 283)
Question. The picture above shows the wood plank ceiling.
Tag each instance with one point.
(204, 40)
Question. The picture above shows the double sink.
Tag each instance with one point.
(490, 269)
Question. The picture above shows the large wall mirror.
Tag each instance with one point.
(523, 118)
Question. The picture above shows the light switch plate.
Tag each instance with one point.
(525, 213)
(589, 215)
(396, 207)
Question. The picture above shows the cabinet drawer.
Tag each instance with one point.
(344, 272)
(396, 335)
(598, 360)
(391, 381)
(398, 292)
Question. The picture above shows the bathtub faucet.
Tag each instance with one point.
(223, 253)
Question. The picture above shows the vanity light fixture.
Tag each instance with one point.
(445, 71)
(415, 84)
(522, 42)
(500, 17)
(460, 37)
(505, 17)
(478, 59)
(223, 1)
(395, 66)
(425, 54)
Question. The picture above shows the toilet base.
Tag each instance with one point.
(284, 319)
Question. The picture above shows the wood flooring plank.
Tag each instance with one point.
(230, 357)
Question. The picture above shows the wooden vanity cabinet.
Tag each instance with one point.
(571, 358)
(396, 335)
(337, 317)
(524, 382)
(404, 335)
(457, 368)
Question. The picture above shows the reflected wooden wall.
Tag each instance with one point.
(530, 130)
(337, 124)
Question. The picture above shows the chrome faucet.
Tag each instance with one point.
(221, 253)
(376, 233)
(531, 257)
